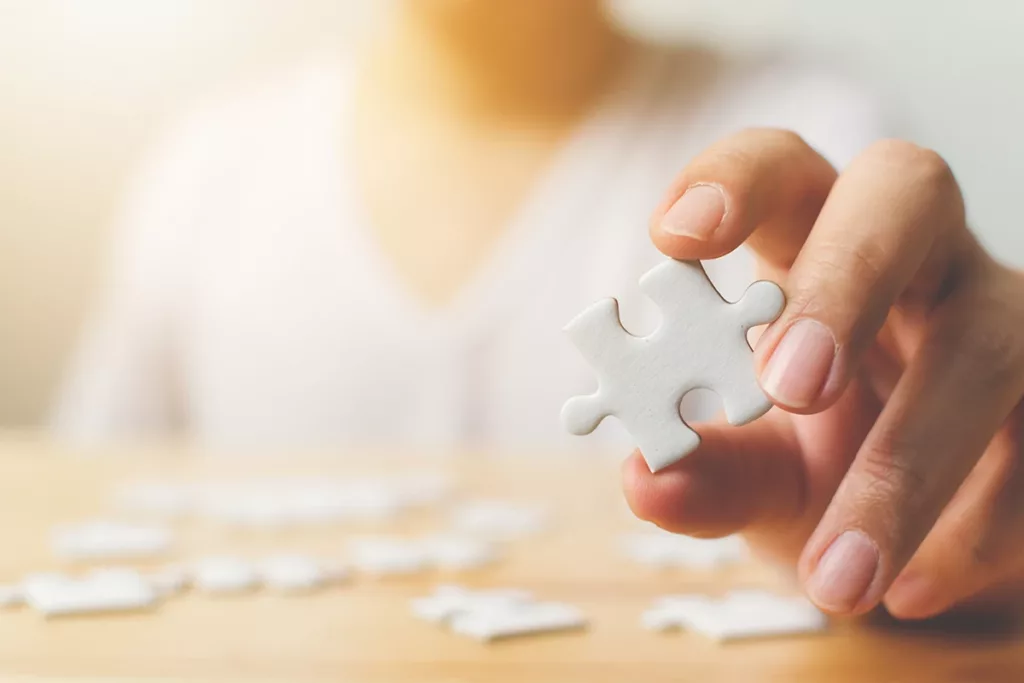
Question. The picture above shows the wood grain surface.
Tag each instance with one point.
(363, 631)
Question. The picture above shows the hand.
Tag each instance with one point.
(891, 468)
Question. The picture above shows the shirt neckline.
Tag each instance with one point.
(553, 210)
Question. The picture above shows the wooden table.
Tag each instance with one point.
(364, 632)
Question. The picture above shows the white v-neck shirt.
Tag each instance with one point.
(250, 305)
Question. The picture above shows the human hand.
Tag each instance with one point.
(892, 468)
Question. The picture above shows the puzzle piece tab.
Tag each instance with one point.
(701, 343)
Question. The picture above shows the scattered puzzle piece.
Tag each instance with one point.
(740, 615)
(101, 592)
(448, 602)
(387, 556)
(456, 553)
(493, 614)
(292, 574)
(528, 619)
(701, 343)
(157, 499)
(662, 549)
(224, 576)
(499, 519)
(110, 540)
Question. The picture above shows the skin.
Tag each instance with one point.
(906, 432)
(912, 438)
(460, 115)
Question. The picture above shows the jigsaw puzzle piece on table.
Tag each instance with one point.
(663, 550)
(741, 615)
(101, 540)
(449, 602)
(701, 344)
(522, 620)
(102, 592)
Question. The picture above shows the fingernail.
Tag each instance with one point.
(844, 573)
(697, 214)
(798, 369)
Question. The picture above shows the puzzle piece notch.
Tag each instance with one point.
(701, 343)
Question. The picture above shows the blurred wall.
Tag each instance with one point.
(951, 73)
(85, 84)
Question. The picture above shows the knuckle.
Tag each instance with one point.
(781, 138)
(889, 469)
(863, 264)
(925, 166)
(774, 138)
(844, 284)
(985, 555)
(995, 353)
(909, 155)
(753, 145)
(996, 349)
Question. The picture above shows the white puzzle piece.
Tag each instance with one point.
(245, 508)
(224, 576)
(662, 549)
(349, 501)
(455, 553)
(740, 615)
(701, 344)
(156, 499)
(277, 505)
(110, 540)
(169, 581)
(11, 596)
(448, 602)
(500, 520)
(387, 556)
(492, 614)
(101, 592)
(292, 574)
(528, 619)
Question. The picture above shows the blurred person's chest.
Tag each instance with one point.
(305, 330)
(299, 329)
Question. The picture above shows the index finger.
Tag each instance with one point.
(764, 187)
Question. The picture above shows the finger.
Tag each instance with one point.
(975, 546)
(737, 477)
(767, 479)
(953, 397)
(761, 186)
(894, 209)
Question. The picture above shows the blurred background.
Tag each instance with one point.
(86, 85)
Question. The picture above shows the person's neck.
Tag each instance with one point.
(541, 75)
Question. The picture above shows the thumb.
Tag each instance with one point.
(739, 477)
